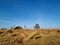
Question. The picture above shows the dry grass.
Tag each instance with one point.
(30, 37)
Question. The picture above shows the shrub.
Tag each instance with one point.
(3, 29)
(1, 32)
(10, 31)
(58, 30)
(14, 34)
(18, 27)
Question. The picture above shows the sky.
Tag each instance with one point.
(46, 13)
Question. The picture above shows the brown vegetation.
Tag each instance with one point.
(30, 37)
(10, 31)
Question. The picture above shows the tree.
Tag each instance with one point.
(25, 27)
(36, 26)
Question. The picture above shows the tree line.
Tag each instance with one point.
(36, 27)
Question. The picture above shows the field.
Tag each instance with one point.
(30, 37)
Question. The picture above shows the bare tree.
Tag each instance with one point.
(36, 26)
(25, 27)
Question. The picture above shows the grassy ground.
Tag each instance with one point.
(30, 37)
